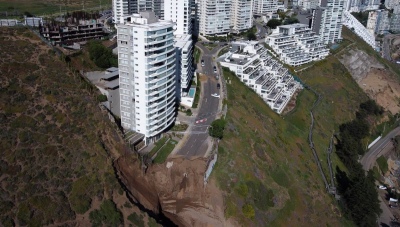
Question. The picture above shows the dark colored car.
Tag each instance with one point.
(218, 86)
(202, 62)
(215, 69)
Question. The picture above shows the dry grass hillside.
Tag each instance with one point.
(56, 144)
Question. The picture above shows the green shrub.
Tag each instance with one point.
(136, 220)
(382, 163)
(217, 128)
(102, 98)
(108, 215)
(248, 211)
(101, 55)
(242, 190)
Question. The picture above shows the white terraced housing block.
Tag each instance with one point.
(147, 65)
(352, 23)
(296, 44)
(258, 70)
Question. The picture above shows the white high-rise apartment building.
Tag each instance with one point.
(378, 22)
(265, 6)
(122, 8)
(180, 12)
(327, 20)
(147, 80)
(390, 4)
(214, 17)
(241, 15)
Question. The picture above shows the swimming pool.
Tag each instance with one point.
(192, 91)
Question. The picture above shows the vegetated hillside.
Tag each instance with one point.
(265, 166)
(46, 7)
(56, 144)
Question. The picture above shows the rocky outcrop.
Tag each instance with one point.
(175, 189)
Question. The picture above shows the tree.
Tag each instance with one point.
(108, 215)
(251, 36)
(217, 128)
(291, 20)
(273, 23)
(101, 55)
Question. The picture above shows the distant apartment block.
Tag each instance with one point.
(158, 8)
(308, 4)
(261, 7)
(33, 21)
(122, 8)
(147, 68)
(296, 44)
(378, 22)
(8, 22)
(241, 15)
(391, 4)
(362, 5)
(258, 70)
(395, 19)
(67, 35)
(327, 20)
(214, 17)
(179, 12)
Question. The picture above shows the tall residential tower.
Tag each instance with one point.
(147, 65)
(327, 20)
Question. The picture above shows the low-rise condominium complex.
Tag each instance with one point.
(253, 65)
(296, 44)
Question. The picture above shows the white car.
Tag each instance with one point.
(382, 187)
(215, 95)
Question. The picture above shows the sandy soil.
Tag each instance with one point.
(383, 88)
(179, 193)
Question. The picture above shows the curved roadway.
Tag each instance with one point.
(368, 161)
(196, 144)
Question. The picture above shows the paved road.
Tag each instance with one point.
(261, 31)
(368, 160)
(196, 143)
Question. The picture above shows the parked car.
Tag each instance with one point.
(215, 69)
(382, 187)
(202, 62)
(218, 86)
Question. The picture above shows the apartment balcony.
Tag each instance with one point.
(275, 93)
(159, 33)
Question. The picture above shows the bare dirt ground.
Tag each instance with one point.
(180, 193)
(378, 82)
(383, 88)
